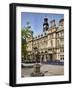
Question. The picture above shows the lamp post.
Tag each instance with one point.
(32, 46)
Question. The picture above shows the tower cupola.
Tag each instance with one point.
(45, 25)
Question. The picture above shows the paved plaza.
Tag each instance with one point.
(48, 70)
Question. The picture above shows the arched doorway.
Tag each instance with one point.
(51, 57)
(44, 56)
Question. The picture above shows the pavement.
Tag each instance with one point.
(47, 69)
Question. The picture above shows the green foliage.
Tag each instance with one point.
(25, 33)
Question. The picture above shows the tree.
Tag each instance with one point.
(25, 33)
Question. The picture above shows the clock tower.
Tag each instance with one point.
(45, 25)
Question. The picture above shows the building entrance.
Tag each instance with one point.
(50, 57)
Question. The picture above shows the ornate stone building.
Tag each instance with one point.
(50, 43)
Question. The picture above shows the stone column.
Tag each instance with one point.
(44, 58)
(40, 58)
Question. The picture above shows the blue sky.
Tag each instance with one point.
(36, 20)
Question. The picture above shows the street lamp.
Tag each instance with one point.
(32, 45)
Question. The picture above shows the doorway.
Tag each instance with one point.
(50, 57)
(42, 58)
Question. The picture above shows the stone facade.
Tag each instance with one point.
(50, 43)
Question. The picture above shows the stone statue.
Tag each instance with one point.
(37, 57)
(37, 66)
